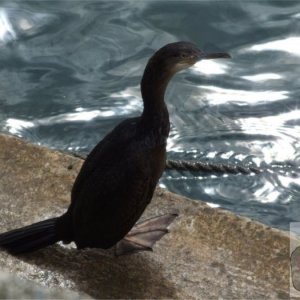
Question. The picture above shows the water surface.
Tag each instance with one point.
(70, 72)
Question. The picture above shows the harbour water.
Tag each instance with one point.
(70, 72)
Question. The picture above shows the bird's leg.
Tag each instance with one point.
(144, 235)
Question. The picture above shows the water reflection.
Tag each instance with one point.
(289, 45)
(16, 127)
(6, 31)
(209, 67)
(69, 74)
(262, 77)
(217, 95)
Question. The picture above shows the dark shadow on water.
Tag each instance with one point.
(101, 275)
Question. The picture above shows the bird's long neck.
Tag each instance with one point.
(153, 87)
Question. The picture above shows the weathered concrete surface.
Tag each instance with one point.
(209, 253)
(12, 287)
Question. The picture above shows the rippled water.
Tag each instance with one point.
(70, 71)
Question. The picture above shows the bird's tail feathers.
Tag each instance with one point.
(30, 238)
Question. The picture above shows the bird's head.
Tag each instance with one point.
(181, 55)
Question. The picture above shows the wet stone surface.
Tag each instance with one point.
(209, 252)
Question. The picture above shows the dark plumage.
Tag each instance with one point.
(118, 178)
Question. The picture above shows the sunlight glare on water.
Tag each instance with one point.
(290, 45)
(217, 95)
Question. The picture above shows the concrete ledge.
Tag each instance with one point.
(210, 253)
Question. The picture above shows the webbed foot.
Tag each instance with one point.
(145, 234)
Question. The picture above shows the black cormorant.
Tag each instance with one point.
(119, 176)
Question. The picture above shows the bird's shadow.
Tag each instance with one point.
(100, 274)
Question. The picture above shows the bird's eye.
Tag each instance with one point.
(180, 55)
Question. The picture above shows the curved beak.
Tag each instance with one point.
(214, 55)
